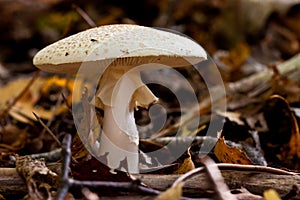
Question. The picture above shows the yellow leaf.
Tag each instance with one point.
(173, 193)
(271, 195)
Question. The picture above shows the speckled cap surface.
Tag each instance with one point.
(119, 44)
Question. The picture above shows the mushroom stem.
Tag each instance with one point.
(117, 143)
(120, 138)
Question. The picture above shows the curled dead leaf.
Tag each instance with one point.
(283, 139)
(187, 164)
(227, 154)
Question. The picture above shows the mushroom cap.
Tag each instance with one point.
(119, 44)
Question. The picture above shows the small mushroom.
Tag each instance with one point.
(120, 52)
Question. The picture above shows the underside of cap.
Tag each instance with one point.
(120, 44)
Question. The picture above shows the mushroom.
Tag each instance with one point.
(119, 53)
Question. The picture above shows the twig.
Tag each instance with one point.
(228, 166)
(51, 133)
(47, 129)
(66, 102)
(50, 156)
(10, 147)
(214, 174)
(134, 186)
(85, 16)
(256, 182)
(247, 83)
(64, 184)
(22, 93)
(182, 140)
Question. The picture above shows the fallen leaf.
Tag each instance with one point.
(173, 193)
(58, 82)
(40, 92)
(236, 57)
(271, 195)
(12, 89)
(187, 164)
(22, 110)
(283, 139)
(93, 170)
(226, 154)
(12, 137)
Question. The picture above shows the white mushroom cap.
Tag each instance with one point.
(126, 45)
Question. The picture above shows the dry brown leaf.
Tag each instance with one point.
(187, 164)
(293, 148)
(173, 193)
(236, 57)
(93, 170)
(284, 137)
(12, 137)
(226, 154)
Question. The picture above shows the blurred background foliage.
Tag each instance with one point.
(270, 27)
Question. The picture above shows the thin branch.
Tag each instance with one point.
(50, 156)
(133, 186)
(239, 167)
(65, 184)
(47, 129)
(217, 180)
(264, 76)
(84, 15)
(51, 133)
